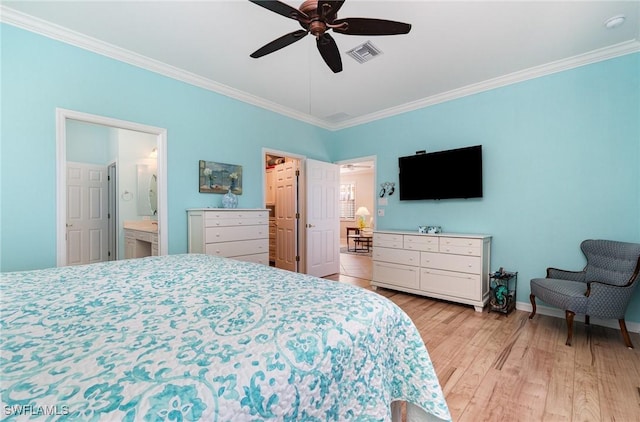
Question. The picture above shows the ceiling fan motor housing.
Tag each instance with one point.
(317, 24)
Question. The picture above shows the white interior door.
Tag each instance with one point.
(87, 223)
(286, 182)
(323, 218)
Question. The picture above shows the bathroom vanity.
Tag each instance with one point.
(140, 238)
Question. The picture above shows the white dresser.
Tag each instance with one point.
(241, 234)
(453, 267)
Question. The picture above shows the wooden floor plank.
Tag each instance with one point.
(494, 367)
(559, 401)
(615, 364)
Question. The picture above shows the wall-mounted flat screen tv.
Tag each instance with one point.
(455, 173)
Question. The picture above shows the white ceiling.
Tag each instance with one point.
(455, 48)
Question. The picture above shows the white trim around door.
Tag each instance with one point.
(62, 115)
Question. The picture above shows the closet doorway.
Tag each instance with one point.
(304, 226)
(282, 198)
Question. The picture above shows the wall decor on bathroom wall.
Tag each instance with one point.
(219, 177)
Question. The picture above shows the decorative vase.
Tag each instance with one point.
(230, 200)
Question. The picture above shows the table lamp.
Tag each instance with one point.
(362, 213)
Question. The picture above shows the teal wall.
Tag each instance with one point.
(88, 143)
(40, 74)
(560, 165)
(561, 152)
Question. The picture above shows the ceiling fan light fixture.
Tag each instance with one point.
(364, 52)
(614, 21)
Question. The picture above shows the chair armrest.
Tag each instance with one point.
(566, 275)
(608, 300)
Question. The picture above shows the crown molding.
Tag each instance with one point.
(606, 53)
(59, 33)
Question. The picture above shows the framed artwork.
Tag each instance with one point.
(219, 177)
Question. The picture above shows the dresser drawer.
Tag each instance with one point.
(398, 256)
(226, 234)
(460, 285)
(461, 246)
(421, 243)
(397, 275)
(239, 248)
(388, 240)
(234, 222)
(466, 242)
(140, 235)
(260, 258)
(235, 218)
(465, 264)
(461, 250)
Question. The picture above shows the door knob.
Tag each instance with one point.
(69, 225)
(310, 225)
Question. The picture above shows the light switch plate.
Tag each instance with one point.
(381, 213)
(383, 201)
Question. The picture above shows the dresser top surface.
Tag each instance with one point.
(226, 209)
(415, 233)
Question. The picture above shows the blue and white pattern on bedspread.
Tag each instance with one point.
(196, 337)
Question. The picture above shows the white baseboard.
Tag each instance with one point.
(559, 313)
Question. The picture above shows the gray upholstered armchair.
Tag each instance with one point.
(602, 289)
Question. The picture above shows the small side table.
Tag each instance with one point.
(356, 231)
(502, 295)
(362, 240)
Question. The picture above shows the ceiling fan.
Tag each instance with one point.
(318, 17)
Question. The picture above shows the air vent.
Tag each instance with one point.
(338, 117)
(365, 52)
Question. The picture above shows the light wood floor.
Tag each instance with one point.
(494, 367)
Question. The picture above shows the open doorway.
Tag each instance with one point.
(104, 193)
(357, 216)
(304, 226)
(282, 199)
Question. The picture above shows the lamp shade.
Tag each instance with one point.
(363, 212)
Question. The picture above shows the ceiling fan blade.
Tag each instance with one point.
(329, 52)
(281, 9)
(329, 8)
(367, 26)
(279, 43)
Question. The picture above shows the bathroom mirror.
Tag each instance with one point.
(147, 190)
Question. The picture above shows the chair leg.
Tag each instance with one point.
(587, 321)
(625, 333)
(532, 298)
(569, 315)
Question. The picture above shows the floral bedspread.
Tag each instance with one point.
(196, 337)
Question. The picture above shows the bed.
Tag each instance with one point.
(197, 337)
